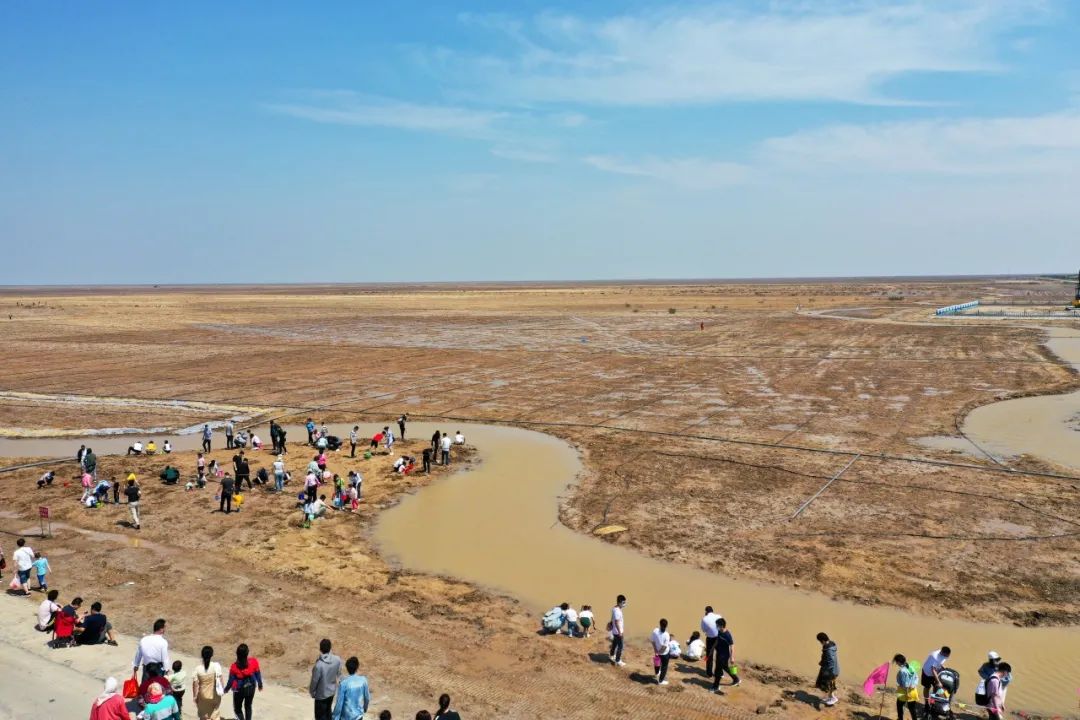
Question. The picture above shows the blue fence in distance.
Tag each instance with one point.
(954, 309)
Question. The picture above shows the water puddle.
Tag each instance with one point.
(497, 525)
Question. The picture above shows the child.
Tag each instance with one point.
(177, 678)
(200, 464)
(354, 498)
(571, 616)
(585, 617)
(167, 447)
(41, 566)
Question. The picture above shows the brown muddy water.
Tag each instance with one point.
(1044, 426)
(497, 525)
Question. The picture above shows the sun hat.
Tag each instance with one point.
(993, 655)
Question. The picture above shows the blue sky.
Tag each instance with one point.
(347, 141)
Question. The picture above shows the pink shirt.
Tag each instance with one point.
(87, 480)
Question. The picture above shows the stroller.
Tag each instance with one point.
(941, 698)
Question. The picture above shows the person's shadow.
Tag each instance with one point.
(600, 657)
(804, 697)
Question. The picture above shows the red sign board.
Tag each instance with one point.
(43, 512)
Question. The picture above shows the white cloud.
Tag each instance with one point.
(971, 146)
(691, 173)
(836, 50)
(346, 108)
(522, 154)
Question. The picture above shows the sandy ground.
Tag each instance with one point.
(644, 394)
(40, 682)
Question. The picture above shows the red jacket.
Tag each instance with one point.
(112, 709)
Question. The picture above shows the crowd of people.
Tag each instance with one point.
(715, 644)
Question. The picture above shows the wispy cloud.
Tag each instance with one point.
(1045, 145)
(833, 50)
(523, 154)
(972, 146)
(347, 108)
(691, 173)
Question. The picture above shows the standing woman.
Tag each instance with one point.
(830, 669)
(206, 686)
(244, 677)
(907, 688)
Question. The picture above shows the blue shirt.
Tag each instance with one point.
(41, 565)
(352, 698)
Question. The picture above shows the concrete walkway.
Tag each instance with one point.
(38, 682)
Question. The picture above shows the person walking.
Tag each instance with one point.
(244, 677)
(388, 438)
(133, 495)
(617, 628)
(229, 428)
(907, 688)
(829, 669)
(401, 424)
(661, 642)
(445, 443)
(354, 438)
(207, 435)
(227, 486)
(708, 629)
(23, 557)
(159, 705)
(243, 472)
(724, 649)
(207, 686)
(324, 681)
(153, 649)
(353, 695)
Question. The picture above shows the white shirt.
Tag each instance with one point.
(255, 440)
(571, 615)
(459, 439)
(586, 614)
(446, 444)
(136, 446)
(934, 661)
(167, 447)
(673, 648)
(617, 625)
(45, 611)
(24, 558)
(708, 625)
(696, 650)
(152, 648)
(318, 506)
(279, 467)
(660, 640)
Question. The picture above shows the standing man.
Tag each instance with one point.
(310, 427)
(935, 663)
(152, 649)
(79, 455)
(207, 434)
(725, 655)
(435, 443)
(427, 460)
(227, 486)
(89, 463)
(401, 424)
(708, 629)
(133, 495)
(243, 472)
(324, 681)
(229, 433)
(354, 437)
(618, 628)
(445, 449)
(353, 695)
(23, 557)
(281, 440)
(236, 461)
(388, 438)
